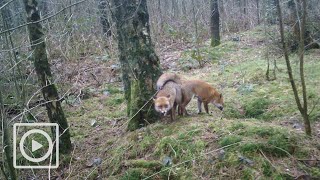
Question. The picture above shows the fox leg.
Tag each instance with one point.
(205, 104)
(183, 106)
(180, 112)
(173, 112)
(183, 110)
(199, 105)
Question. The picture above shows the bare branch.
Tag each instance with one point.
(46, 18)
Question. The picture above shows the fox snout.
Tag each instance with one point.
(163, 113)
(221, 108)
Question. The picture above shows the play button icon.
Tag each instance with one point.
(36, 145)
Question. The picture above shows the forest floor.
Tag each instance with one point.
(259, 135)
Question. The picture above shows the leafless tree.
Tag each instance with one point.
(49, 90)
(215, 23)
(140, 64)
(303, 107)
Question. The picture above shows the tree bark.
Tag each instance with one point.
(139, 62)
(302, 108)
(160, 15)
(214, 23)
(301, 59)
(175, 9)
(258, 11)
(42, 67)
(104, 17)
(6, 141)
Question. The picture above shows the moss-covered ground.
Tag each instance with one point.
(258, 136)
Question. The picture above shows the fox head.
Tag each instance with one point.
(162, 104)
(218, 101)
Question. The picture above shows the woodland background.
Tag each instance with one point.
(259, 135)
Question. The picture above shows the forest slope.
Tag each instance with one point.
(258, 136)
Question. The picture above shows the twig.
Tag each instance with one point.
(314, 106)
(6, 4)
(26, 24)
(175, 154)
(2, 170)
(96, 79)
(70, 170)
(268, 160)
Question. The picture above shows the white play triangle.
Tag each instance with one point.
(36, 145)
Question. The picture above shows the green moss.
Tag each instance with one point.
(261, 131)
(247, 174)
(144, 164)
(280, 145)
(231, 111)
(315, 172)
(180, 148)
(113, 89)
(134, 174)
(114, 100)
(237, 126)
(147, 142)
(267, 169)
(256, 108)
(231, 160)
(250, 147)
(231, 139)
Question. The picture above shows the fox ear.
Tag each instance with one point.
(168, 96)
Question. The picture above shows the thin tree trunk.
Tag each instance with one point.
(214, 23)
(160, 15)
(6, 141)
(197, 53)
(42, 67)
(301, 59)
(184, 8)
(104, 17)
(139, 62)
(175, 9)
(303, 109)
(258, 11)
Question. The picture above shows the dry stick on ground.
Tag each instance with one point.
(303, 108)
(268, 160)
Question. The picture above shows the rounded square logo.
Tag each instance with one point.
(35, 146)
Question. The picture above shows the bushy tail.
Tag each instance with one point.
(166, 77)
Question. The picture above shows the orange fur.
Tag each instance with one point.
(203, 91)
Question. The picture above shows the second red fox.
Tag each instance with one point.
(204, 92)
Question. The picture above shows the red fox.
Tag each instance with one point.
(168, 98)
(202, 90)
(164, 78)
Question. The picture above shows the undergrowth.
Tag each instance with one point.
(252, 140)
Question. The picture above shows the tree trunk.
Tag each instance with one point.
(214, 23)
(175, 9)
(139, 62)
(44, 7)
(302, 108)
(184, 8)
(104, 17)
(160, 16)
(301, 59)
(258, 11)
(6, 142)
(42, 67)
